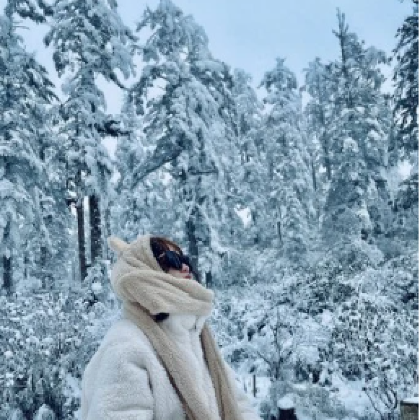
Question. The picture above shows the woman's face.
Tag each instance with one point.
(183, 272)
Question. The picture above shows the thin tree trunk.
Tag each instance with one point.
(254, 223)
(95, 228)
(45, 276)
(279, 228)
(7, 264)
(190, 224)
(209, 279)
(326, 153)
(314, 183)
(7, 274)
(107, 227)
(81, 239)
(192, 238)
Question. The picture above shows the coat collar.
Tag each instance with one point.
(180, 324)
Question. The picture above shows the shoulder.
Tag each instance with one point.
(124, 338)
(124, 331)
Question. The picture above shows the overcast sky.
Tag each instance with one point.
(250, 34)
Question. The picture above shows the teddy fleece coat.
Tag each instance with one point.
(125, 379)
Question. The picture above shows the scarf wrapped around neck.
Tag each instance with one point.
(147, 290)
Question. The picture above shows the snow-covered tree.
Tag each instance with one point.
(406, 122)
(250, 197)
(184, 96)
(406, 79)
(318, 119)
(359, 140)
(90, 40)
(319, 111)
(289, 179)
(24, 93)
(141, 206)
(375, 340)
(36, 10)
(52, 244)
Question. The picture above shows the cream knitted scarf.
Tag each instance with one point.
(147, 290)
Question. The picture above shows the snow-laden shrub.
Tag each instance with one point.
(316, 402)
(44, 413)
(97, 284)
(310, 329)
(46, 340)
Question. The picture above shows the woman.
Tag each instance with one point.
(160, 361)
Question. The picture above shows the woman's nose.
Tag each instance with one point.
(185, 268)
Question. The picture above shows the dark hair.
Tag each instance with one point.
(159, 245)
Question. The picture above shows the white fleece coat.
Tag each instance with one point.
(126, 381)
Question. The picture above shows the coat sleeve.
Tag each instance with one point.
(245, 407)
(118, 388)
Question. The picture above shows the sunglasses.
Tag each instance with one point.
(172, 259)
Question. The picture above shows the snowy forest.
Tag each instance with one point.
(291, 202)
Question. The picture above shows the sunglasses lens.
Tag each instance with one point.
(173, 260)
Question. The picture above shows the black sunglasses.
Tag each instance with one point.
(172, 259)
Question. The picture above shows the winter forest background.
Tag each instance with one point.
(295, 212)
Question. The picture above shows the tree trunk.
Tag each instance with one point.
(46, 279)
(314, 184)
(107, 228)
(209, 279)
(7, 264)
(81, 239)
(95, 228)
(327, 158)
(7, 274)
(192, 238)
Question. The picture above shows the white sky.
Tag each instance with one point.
(250, 35)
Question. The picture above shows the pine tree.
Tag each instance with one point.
(24, 93)
(184, 95)
(90, 40)
(250, 196)
(406, 81)
(141, 206)
(318, 122)
(406, 123)
(52, 244)
(289, 179)
(359, 140)
(319, 111)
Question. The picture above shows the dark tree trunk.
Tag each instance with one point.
(192, 238)
(7, 264)
(46, 278)
(209, 279)
(95, 228)
(81, 239)
(327, 159)
(314, 183)
(190, 224)
(107, 227)
(7, 274)
(254, 222)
